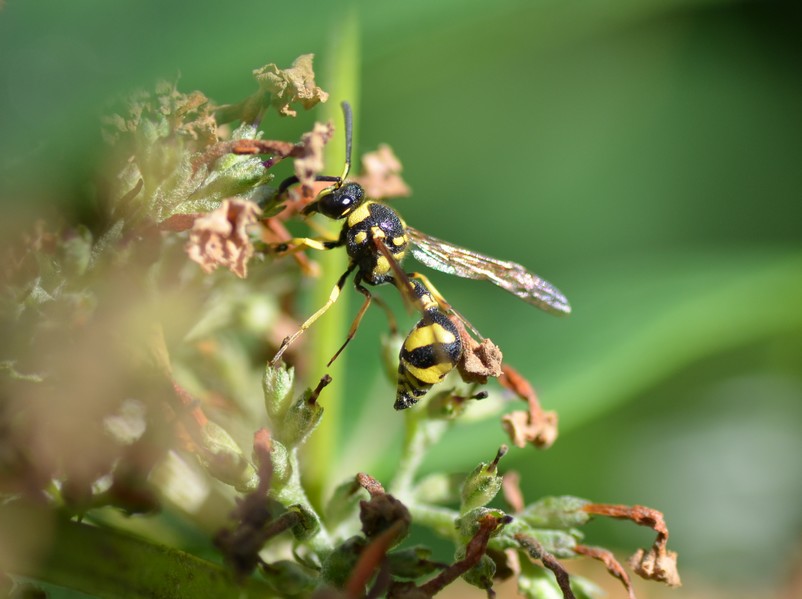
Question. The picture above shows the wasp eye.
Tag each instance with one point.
(338, 203)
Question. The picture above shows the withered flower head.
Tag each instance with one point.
(220, 237)
(381, 176)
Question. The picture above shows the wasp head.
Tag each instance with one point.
(338, 202)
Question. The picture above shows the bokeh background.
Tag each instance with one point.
(646, 157)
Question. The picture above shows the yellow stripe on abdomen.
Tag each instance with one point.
(428, 335)
(430, 375)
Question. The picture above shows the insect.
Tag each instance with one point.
(377, 240)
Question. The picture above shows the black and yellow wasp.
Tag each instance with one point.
(377, 240)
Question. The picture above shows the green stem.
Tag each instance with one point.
(292, 493)
(342, 81)
(436, 518)
(420, 434)
(106, 563)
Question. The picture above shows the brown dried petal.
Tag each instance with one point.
(310, 164)
(539, 428)
(220, 238)
(381, 174)
(613, 566)
(535, 426)
(656, 564)
(295, 84)
(511, 488)
(383, 512)
(479, 360)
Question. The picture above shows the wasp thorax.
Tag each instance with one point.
(339, 202)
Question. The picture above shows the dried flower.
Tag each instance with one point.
(220, 238)
(381, 174)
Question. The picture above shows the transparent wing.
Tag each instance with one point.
(454, 260)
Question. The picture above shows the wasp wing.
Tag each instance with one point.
(510, 276)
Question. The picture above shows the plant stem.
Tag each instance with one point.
(420, 433)
(293, 493)
(342, 80)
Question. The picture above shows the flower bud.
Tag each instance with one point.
(221, 457)
(277, 385)
(339, 564)
(302, 417)
(482, 485)
(308, 524)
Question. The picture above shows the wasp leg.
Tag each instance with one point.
(355, 325)
(299, 243)
(335, 293)
(391, 321)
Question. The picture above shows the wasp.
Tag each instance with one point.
(377, 240)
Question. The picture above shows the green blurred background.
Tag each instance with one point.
(643, 156)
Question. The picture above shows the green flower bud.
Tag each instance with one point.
(308, 525)
(277, 385)
(221, 457)
(556, 512)
(340, 563)
(482, 484)
(299, 421)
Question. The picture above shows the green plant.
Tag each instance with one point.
(132, 380)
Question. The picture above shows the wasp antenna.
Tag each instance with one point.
(347, 116)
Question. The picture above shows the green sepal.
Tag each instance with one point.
(467, 525)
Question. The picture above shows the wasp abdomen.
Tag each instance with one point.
(430, 351)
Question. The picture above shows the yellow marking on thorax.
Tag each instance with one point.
(377, 232)
(428, 335)
(359, 214)
(400, 240)
(382, 266)
(360, 237)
